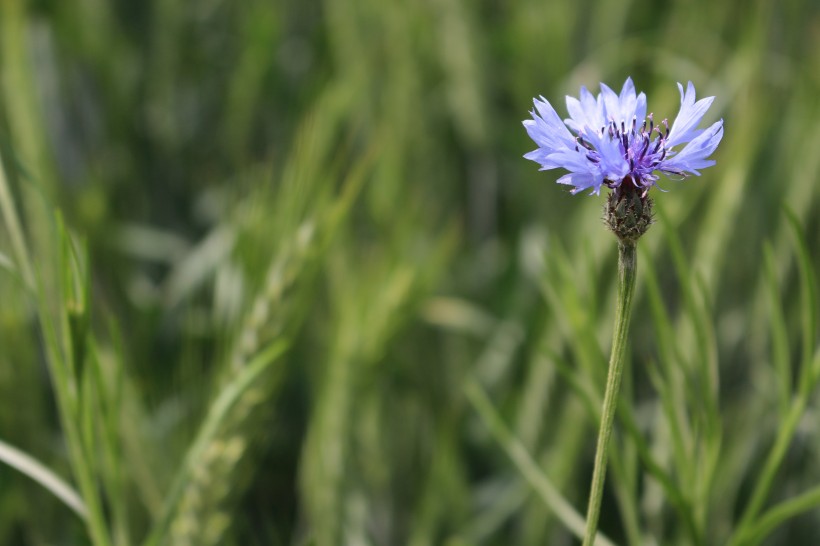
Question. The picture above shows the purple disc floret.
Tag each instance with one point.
(609, 140)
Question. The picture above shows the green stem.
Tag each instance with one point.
(627, 269)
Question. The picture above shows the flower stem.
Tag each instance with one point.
(627, 269)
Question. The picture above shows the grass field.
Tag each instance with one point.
(277, 273)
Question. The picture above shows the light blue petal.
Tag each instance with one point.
(575, 161)
(689, 116)
(582, 181)
(613, 165)
(585, 114)
(694, 155)
(547, 112)
(578, 119)
(593, 108)
(546, 128)
(628, 101)
(545, 136)
(542, 157)
(612, 104)
(640, 108)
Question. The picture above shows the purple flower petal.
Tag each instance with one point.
(640, 108)
(628, 101)
(612, 104)
(693, 156)
(582, 181)
(585, 114)
(691, 112)
(546, 128)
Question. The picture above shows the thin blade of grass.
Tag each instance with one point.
(780, 513)
(37, 471)
(218, 411)
(780, 338)
(526, 465)
(808, 304)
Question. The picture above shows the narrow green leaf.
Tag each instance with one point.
(218, 411)
(780, 338)
(779, 514)
(526, 465)
(34, 469)
(808, 303)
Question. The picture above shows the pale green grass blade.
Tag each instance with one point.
(63, 345)
(781, 359)
(703, 384)
(31, 467)
(780, 513)
(12, 222)
(807, 382)
(204, 444)
(809, 373)
(525, 464)
(671, 388)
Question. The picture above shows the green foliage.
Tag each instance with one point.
(277, 273)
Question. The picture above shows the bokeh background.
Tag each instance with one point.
(334, 192)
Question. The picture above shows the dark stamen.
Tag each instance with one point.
(645, 148)
(657, 146)
(584, 143)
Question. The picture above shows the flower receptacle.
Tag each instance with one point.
(628, 214)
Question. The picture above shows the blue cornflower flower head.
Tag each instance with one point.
(609, 140)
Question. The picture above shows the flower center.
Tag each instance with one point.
(637, 146)
(643, 147)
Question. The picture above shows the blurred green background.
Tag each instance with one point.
(327, 297)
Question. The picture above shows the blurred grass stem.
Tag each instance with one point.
(35, 470)
(12, 221)
(627, 269)
(525, 463)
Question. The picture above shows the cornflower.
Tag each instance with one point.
(614, 142)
